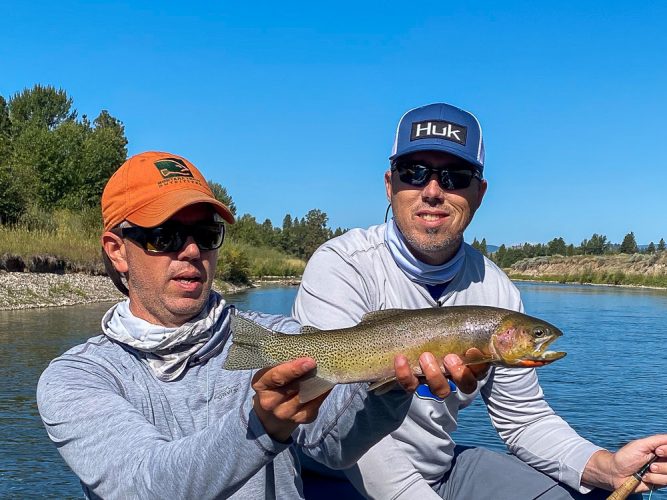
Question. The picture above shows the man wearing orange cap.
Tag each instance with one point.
(146, 410)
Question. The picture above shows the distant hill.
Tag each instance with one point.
(619, 269)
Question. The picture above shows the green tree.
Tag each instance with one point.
(316, 231)
(483, 248)
(661, 245)
(41, 106)
(222, 195)
(499, 255)
(650, 248)
(12, 202)
(104, 150)
(557, 247)
(629, 244)
(597, 245)
(246, 229)
(5, 132)
(287, 235)
(56, 160)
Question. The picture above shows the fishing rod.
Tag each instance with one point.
(624, 490)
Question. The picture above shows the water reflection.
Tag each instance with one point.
(29, 463)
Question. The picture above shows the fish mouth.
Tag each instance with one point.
(541, 359)
(540, 356)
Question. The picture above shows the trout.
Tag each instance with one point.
(365, 352)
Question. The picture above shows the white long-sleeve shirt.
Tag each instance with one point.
(354, 274)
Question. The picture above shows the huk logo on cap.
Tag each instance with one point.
(173, 167)
(434, 129)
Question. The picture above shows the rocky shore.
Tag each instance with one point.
(24, 290)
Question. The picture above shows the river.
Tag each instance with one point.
(610, 387)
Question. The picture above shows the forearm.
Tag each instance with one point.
(531, 429)
(116, 452)
(215, 462)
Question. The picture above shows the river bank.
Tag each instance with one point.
(31, 290)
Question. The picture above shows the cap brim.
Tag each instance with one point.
(167, 205)
(438, 148)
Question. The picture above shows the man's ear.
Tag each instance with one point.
(387, 184)
(114, 247)
(483, 185)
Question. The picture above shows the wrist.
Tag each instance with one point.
(598, 472)
(277, 429)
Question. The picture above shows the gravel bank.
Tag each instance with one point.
(27, 290)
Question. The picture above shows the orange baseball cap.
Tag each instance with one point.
(151, 187)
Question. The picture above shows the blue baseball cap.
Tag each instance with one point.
(440, 127)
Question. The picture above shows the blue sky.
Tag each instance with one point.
(293, 105)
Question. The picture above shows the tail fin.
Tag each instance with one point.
(247, 351)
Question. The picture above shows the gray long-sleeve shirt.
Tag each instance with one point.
(355, 273)
(127, 434)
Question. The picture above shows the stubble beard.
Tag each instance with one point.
(434, 242)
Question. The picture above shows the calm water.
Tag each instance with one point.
(609, 387)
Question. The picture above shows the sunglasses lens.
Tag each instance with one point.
(449, 178)
(209, 237)
(163, 239)
(170, 237)
(455, 179)
(413, 173)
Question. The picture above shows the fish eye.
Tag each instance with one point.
(539, 332)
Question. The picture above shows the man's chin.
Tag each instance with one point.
(186, 308)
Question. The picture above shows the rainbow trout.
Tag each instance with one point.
(365, 352)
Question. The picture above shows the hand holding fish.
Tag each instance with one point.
(280, 410)
(276, 403)
(465, 377)
(610, 470)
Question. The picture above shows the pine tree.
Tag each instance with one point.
(629, 244)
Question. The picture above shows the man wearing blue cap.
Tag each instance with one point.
(419, 259)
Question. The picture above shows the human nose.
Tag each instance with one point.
(432, 189)
(190, 250)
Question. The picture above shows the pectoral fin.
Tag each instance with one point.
(476, 357)
(312, 387)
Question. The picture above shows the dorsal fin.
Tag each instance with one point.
(381, 314)
(309, 329)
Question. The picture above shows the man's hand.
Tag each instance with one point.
(464, 376)
(609, 470)
(276, 401)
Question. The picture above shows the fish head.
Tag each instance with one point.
(522, 340)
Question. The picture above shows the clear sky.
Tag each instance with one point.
(293, 105)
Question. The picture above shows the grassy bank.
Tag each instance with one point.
(67, 242)
(65, 238)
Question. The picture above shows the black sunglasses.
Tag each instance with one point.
(171, 236)
(449, 178)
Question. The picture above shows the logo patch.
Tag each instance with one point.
(439, 130)
(423, 392)
(172, 167)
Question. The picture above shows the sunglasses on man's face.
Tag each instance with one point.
(450, 178)
(171, 236)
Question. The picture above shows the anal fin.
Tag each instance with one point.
(383, 385)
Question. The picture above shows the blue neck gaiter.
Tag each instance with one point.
(415, 269)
